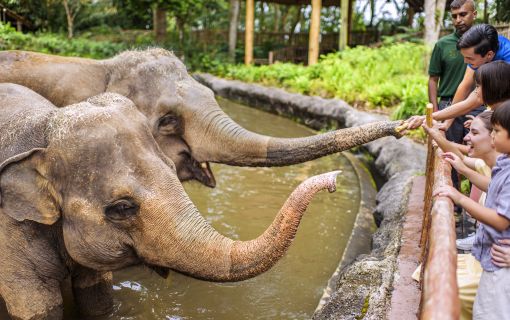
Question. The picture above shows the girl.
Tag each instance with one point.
(493, 297)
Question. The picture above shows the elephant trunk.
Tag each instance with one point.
(198, 250)
(229, 143)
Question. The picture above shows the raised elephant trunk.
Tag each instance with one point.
(229, 143)
(200, 251)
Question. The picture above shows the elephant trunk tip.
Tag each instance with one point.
(400, 126)
(329, 180)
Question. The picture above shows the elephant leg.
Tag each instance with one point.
(92, 291)
(37, 301)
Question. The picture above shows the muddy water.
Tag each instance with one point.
(242, 205)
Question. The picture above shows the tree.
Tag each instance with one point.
(434, 12)
(232, 30)
(502, 10)
(159, 22)
(72, 7)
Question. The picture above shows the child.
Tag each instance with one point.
(493, 296)
(476, 167)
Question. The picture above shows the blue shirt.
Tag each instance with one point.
(503, 53)
(498, 198)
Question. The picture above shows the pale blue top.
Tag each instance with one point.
(498, 198)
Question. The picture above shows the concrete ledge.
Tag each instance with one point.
(406, 295)
(363, 288)
(360, 240)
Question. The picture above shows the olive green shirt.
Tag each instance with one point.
(447, 63)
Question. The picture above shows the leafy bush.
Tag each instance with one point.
(386, 77)
(10, 39)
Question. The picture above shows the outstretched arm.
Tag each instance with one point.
(433, 82)
(462, 165)
(485, 215)
(464, 101)
(445, 145)
(461, 108)
(465, 86)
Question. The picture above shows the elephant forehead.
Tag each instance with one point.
(76, 116)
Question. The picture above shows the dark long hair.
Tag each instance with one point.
(494, 77)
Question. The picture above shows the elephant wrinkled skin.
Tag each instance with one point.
(184, 117)
(85, 190)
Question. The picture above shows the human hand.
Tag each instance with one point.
(445, 125)
(501, 254)
(455, 161)
(448, 191)
(467, 123)
(414, 122)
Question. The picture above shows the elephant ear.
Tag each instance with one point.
(25, 194)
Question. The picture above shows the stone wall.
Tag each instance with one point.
(363, 288)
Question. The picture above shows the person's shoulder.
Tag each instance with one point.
(504, 49)
(503, 39)
(448, 38)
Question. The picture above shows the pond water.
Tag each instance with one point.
(242, 206)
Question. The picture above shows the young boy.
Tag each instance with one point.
(493, 295)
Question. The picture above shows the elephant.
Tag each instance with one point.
(86, 189)
(184, 117)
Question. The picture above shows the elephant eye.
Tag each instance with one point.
(170, 124)
(121, 209)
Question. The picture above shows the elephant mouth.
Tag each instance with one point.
(163, 272)
(199, 171)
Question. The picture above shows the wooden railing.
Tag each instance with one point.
(440, 299)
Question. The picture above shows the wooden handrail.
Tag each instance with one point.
(440, 298)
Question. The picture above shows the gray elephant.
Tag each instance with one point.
(86, 189)
(184, 116)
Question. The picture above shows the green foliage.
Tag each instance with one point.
(501, 8)
(465, 186)
(56, 44)
(386, 77)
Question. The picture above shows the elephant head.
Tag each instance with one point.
(103, 177)
(183, 112)
(184, 117)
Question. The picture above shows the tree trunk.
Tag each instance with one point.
(410, 16)
(372, 12)
(434, 12)
(283, 23)
(261, 17)
(70, 20)
(159, 24)
(232, 31)
(485, 12)
(294, 24)
(277, 18)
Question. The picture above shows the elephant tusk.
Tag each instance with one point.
(204, 165)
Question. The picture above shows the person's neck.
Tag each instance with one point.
(490, 158)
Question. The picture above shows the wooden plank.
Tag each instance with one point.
(344, 25)
(249, 22)
(315, 26)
